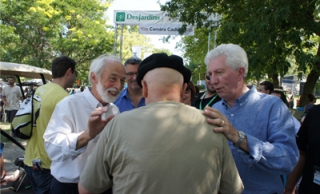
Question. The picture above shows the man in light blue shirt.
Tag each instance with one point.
(131, 97)
(259, 127)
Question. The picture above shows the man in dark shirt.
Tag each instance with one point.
(308, 140)
(207, 98)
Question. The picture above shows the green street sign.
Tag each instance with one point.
(120, 17)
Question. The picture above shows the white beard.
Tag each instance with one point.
(103, 93)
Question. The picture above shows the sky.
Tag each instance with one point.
(150, 5)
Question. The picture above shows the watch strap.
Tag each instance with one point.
(242, 135)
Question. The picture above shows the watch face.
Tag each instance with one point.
(241, 134)
(241, 138)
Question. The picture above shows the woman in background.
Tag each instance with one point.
(281, 95)
(189, 94)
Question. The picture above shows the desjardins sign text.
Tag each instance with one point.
(142, 17)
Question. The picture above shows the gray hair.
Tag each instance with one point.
(236, 56)
(133, 60)
(97, 65)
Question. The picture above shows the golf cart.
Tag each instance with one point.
(23, 70)
(19, 71)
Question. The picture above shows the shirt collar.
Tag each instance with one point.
(247, 96)
(125, 93)
(242, 99)
(94, 103)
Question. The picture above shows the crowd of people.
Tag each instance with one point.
(159, 135)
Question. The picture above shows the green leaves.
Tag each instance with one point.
(272, 32)
(36, 31)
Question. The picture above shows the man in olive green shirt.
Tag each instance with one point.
(163, 147)
(36, 158)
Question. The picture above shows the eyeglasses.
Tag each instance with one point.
(187, 90)
(131, 74)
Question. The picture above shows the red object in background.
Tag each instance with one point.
(298, 102)
(78, 82)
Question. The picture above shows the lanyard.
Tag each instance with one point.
(200, 105)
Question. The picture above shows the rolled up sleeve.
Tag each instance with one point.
(277, 151)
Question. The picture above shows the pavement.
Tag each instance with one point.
(11, 152)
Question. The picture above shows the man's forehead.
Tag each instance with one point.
(118, 74)
(131, 66)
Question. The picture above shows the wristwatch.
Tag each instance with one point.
(241, 138)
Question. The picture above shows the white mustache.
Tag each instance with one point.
(113, 90)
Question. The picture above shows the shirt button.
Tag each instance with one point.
(232, 115)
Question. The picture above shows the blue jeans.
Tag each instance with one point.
(40, 180)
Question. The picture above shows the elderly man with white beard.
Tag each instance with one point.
(78, 119)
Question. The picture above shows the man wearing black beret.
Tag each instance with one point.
(164, 147)
(158, 60)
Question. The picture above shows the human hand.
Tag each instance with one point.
(3, 182)
(221, 123)
(3, 175)
(288, 192)
(96, 122)
(10, 178)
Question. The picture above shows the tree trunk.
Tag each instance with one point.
(275, 80)
(311, 81)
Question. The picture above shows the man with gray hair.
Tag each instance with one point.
(259, 127)
(131, 97)
(78, 119)
(163, 147)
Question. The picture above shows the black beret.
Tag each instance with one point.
(157, 60)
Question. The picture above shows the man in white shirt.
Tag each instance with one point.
(78, 119)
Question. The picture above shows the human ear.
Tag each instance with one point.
(182, 93)
(94, 78)
(241, 73)
(144, 89)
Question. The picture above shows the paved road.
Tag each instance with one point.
(10, 153)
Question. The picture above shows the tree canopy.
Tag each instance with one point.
(36, 31)
(276, 34)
